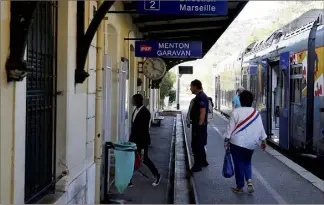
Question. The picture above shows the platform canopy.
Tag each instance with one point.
(205, 28)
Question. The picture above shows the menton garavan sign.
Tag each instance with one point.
(168, 49)
(186, 7)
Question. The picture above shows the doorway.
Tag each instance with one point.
(132, 86)
(273, 100)
(112, 46)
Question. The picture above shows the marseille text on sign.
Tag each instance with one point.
(196, 7)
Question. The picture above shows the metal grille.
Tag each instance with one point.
(41, 102)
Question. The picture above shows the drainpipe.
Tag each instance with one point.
(131, 86)
(98, 109)
(178, 89)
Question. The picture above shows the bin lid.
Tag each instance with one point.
(125, 146)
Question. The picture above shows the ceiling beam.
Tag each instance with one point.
(202, 33)
(155, 18)
(187, 37)
(176, 26)
(188, 30)
(129, 6)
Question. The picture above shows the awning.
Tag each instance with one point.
(185, 27)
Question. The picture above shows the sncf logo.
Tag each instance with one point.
(146, 48)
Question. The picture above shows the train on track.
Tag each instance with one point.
(285, 72)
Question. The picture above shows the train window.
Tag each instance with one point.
(245, 81)
(296, 90)
(277, 37)
(297, 83)
(264, 87)
(253, 85)
(282, 88)
(296, 69)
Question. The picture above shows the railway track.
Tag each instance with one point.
(181, 189)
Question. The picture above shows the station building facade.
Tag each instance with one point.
(49, 124)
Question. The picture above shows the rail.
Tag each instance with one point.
(170, 186)
(63, 174)
(191, 178)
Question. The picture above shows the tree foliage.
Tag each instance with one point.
(167, 84)
(260, 33)
(172, 96)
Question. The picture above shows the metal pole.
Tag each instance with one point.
(178, 90)
(310, 86)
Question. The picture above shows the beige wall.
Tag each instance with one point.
(7, 109)
(118, 27)
(13, 112)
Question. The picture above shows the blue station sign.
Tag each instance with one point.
(168, 49)
(186, 7)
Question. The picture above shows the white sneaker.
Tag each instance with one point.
(157, 180)
(250, 188)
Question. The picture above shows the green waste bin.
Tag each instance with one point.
(124, 164)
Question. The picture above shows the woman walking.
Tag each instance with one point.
(244, 132)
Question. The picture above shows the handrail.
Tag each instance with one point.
(63, 174)
(196, 201)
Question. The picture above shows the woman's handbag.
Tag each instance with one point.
(228, 169)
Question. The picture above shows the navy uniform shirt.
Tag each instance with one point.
(200, 101)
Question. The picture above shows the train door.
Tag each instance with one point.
(266, 96)
(284, 82)
(270, 97)
(253, 69)
(297, 122)
(274, 103)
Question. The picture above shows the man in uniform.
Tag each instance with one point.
(198, 116)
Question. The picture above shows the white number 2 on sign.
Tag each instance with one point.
(152, 5)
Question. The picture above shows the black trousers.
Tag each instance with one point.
(147, 161)
(198, 143)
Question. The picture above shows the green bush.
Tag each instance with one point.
(167, 84)
(172, 96)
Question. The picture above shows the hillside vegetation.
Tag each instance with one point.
(257, 21)
(244, 31)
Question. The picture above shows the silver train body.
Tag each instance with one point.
(277, 71)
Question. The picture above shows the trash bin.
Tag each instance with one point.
(124, 164)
